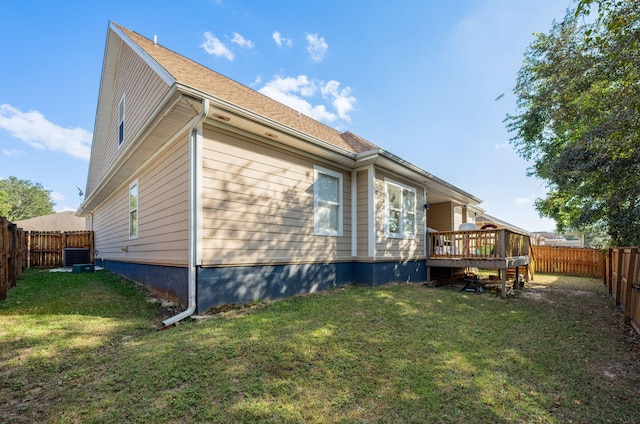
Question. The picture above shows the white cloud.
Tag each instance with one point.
(291, 92)
(35, 130)
(57, 197)
(317, 47)
(522, 200)
(502, 145)
(280, 40)
(297, 93)
(342, 100)
(10, 152)
(215, 47)
(241, 41)
(257, 81)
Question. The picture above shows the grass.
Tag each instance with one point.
(84, 348)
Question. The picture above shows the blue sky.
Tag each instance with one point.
(418, 78)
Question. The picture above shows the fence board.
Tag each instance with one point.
(623, 281)
(569, 261)
(46, 248)
(634, 301)
(12, 242)
(627, 281)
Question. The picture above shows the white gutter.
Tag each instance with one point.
(195, 170)
(389, 160)
(255, 117)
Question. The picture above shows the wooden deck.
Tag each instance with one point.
(488, 249)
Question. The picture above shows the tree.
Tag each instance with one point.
(578, 119)
(22, 199)
(5, 208)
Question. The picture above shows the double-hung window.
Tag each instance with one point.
(400, 210)
(121, 121)
(327, 202)
(133, 210)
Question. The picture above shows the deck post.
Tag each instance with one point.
(428, 249)
(503, 255)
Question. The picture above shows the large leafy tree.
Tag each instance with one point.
(22, 199)
(578, 118)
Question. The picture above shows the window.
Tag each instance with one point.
(133, 209)
(400, 214)
(327, 202)
(121, 121)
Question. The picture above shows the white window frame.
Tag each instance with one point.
(402, 234)
(121, 121)
(317, 230)
(134, 210)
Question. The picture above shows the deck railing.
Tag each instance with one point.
(478, 244)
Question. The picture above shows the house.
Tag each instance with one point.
(211, 193)
(547, 238)
(61, 221)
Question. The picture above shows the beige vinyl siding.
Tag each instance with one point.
(362, 180)
(163, 213)
(457, 217)
(143, 89)
(258, 205)
(439, 216)
(471, 217)
(398, 248)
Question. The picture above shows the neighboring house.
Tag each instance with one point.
(486, 219)
(546, 238)
(61, 221)
(211, 193)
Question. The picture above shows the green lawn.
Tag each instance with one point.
(85, 348)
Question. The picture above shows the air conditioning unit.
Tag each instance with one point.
(76, 255)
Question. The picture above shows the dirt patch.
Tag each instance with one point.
(166, 309)
(532, 294)
(578, 293)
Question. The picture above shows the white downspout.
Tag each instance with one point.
(195, 169)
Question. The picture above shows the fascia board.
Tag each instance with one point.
(251, 116)
(166, 76)
(396, 163)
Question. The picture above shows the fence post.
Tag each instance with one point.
(4, 281)
(92, 247)
(606, 261)
(618, 281)
(610, 274)
(631, 270)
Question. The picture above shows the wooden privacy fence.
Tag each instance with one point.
(46, 248)
(12, 255)
(569, 261)
(622, 277)
(20, 250)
